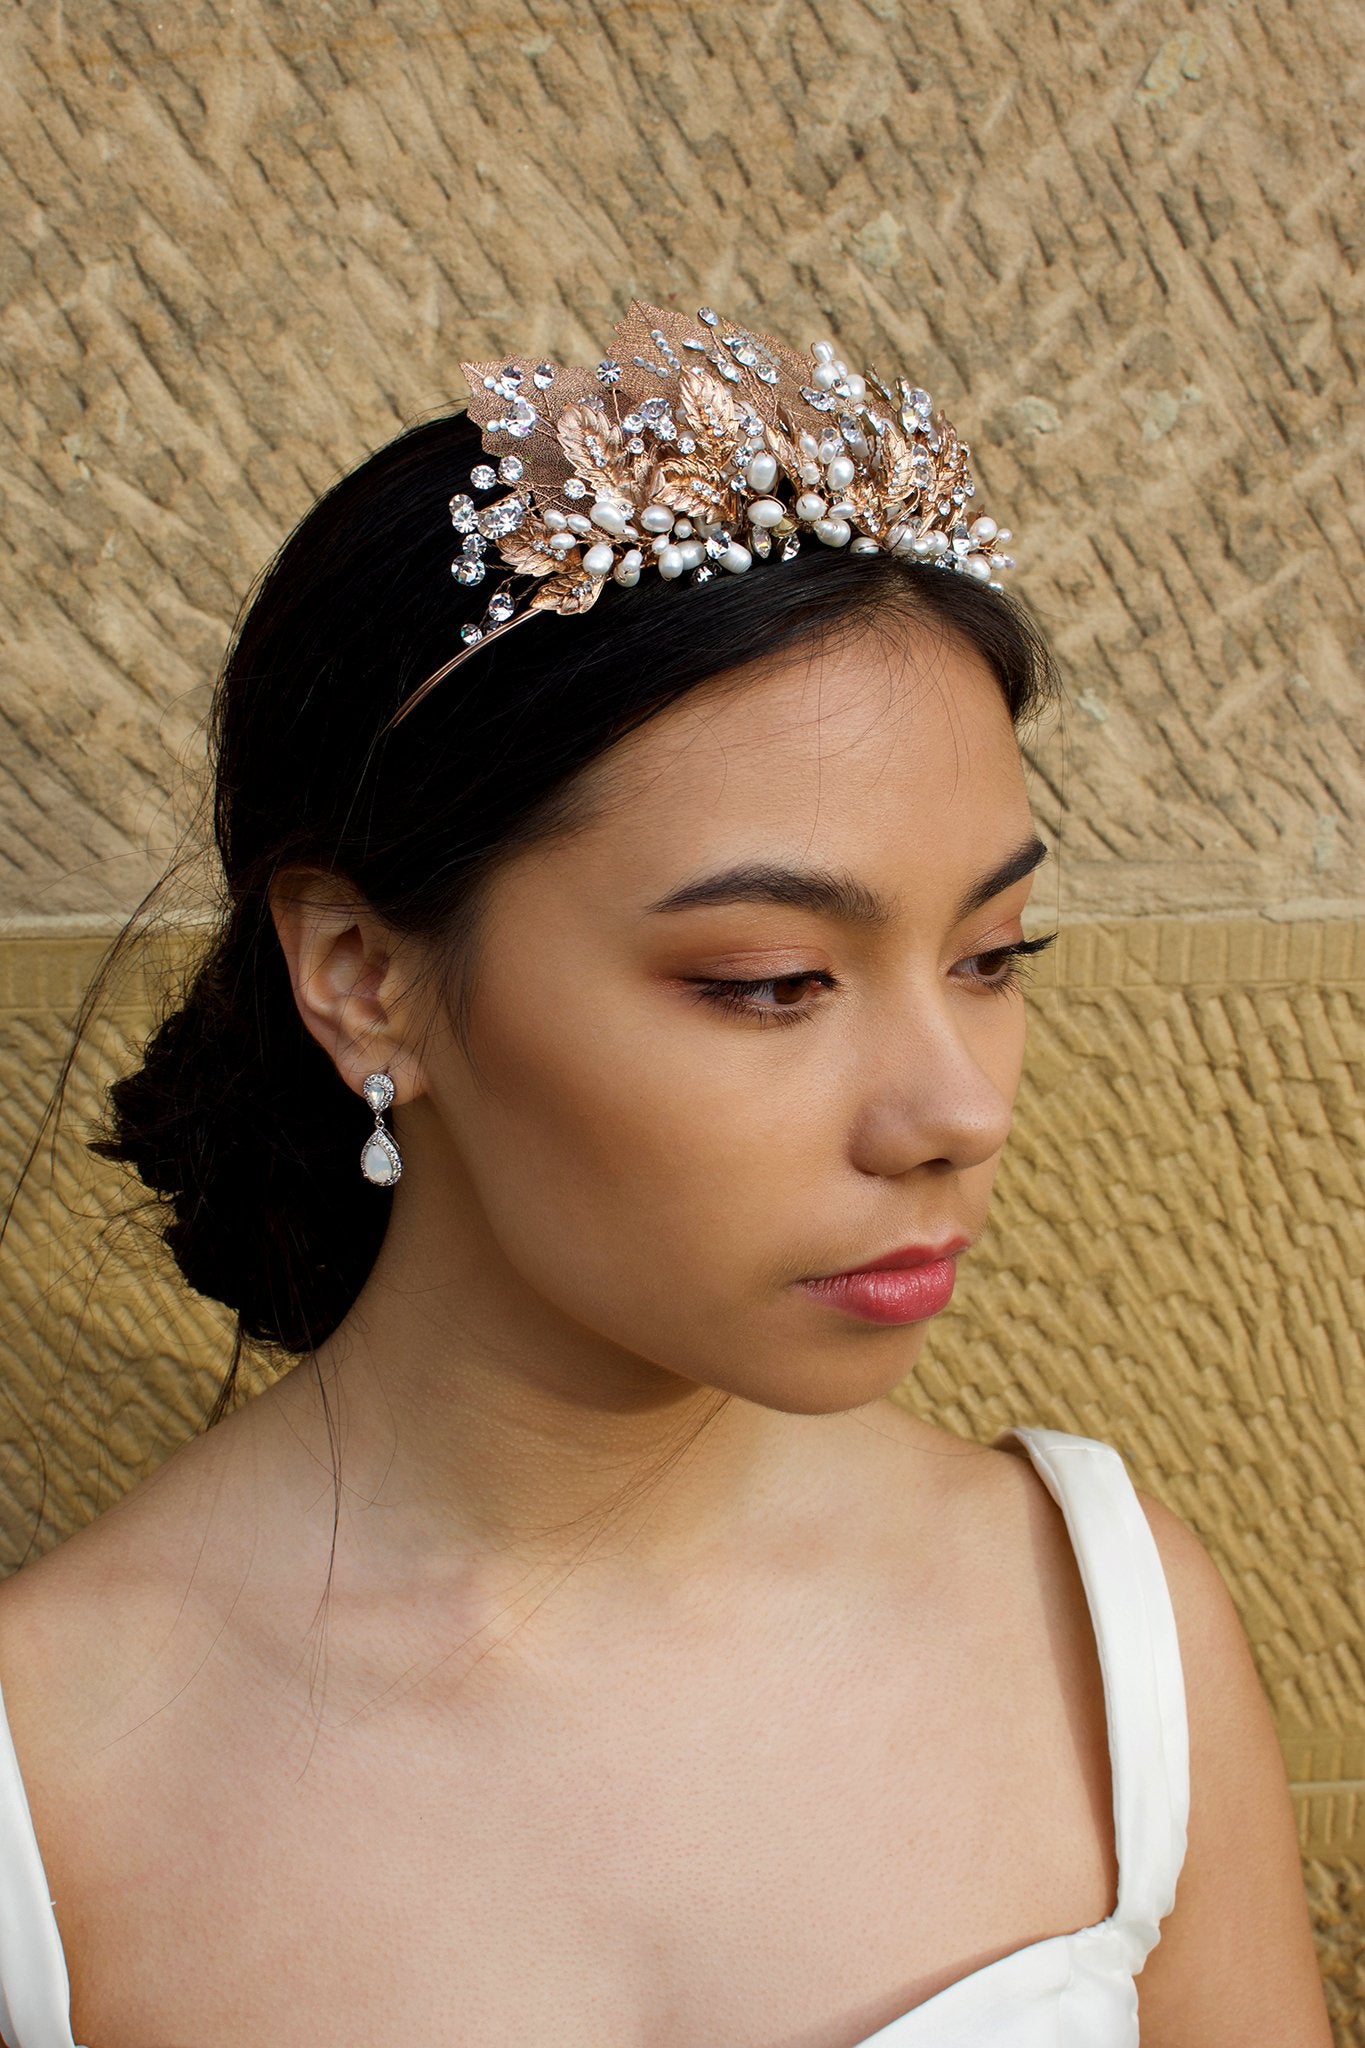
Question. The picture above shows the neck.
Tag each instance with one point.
(472, 1419)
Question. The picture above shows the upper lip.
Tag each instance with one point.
(906, 1255)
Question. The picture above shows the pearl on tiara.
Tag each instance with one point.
(697, 446)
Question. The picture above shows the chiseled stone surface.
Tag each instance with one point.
(1336, 1898)
(242, 246)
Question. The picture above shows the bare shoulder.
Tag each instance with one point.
(83, 1626)
(1235, 1962)
(992, 1520)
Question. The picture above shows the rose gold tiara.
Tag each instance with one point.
(694, 447)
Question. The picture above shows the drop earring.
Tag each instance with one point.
(380, 1161)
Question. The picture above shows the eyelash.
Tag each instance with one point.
(734, 995)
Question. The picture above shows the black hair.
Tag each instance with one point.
(237, 1120)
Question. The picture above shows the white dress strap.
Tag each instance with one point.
(35, 1992)
(1139, 1654)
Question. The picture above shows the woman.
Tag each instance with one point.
(579, 1644)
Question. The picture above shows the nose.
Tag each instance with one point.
(939, 1086)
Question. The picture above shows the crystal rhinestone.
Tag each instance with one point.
(652, 410)
(922, 402)
(377, 1090)
(632, 423)
(767, 372)
(521, 420)
(504, 517)
(686, 445)
(483, 476)
(724, 369)
(703, 574)
(543, 376)
(608, 372)
(462, 513)
(500, 607)
(469, 634)
(474, 544)
(635, 445)
(823, 401)
(469, 569)
(791, 546)
(700, 346)
(761, 540)
(575, 488)
(705, 313)
(511, 374)
(511, 469)
(959, 497)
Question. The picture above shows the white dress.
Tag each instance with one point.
(1069, 1991)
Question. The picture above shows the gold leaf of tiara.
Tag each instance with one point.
(695, 446)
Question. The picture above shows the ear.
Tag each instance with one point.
(351, 975)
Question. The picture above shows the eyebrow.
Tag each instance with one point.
(1012, 869)
(832, 894)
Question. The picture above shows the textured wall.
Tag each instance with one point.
(1119, 243)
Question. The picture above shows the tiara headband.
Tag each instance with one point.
(694, 447)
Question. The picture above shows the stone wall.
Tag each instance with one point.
(1119, 244)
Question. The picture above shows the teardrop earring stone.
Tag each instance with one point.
(378, 1092)
(379, 1160)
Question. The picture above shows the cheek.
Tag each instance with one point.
(619, 1142)
(999, 1041)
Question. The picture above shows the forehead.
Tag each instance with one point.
(879, 742)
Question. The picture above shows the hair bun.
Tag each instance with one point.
(241, 1127)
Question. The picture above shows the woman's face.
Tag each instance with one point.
(664, 1167)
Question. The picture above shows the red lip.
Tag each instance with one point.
(908, 1255)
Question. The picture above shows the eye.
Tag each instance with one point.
(739, 996)
(1004, 967)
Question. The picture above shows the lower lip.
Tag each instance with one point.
(902, 1294)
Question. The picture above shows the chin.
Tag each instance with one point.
(830, 1379)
